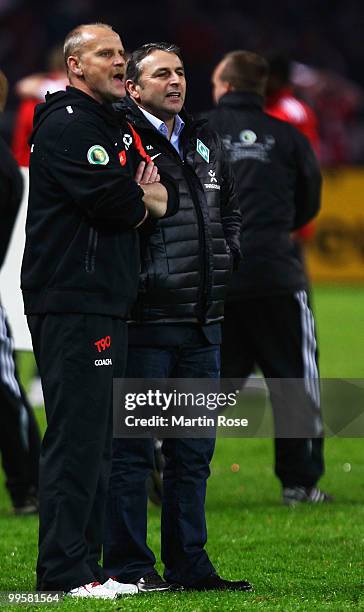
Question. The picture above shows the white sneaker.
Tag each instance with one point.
(93, 589)
(120, 588)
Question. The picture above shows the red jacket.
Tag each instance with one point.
(285, 106)
(22, 131)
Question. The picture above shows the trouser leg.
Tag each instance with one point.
(299, 461)
(290, 357)
(126, 553)
(98, 517)
(19, 433)
(277, 333)
(184, 532)
(74, 460)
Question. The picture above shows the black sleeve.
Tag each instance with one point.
(5, 193)
(104, 190)
(230, 210)
(308, 186)
(11, 182)
(173, 195)
(11, 190)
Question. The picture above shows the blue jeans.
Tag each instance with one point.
(183, 529)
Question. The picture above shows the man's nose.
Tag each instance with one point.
(175, 78)
(119, 60)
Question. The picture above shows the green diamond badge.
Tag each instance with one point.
(203, 150)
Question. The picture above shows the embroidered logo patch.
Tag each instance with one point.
(248, 137)
(97, 155)
(212, 176)
(122, 157)
(213, 181)
(127, 140)
(203, 150)
(103, 343)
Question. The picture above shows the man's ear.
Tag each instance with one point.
(133, 90)
(74, 65)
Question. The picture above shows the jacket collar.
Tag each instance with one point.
(66, 99)
(83, 100)
(135, 115)
(242, 98)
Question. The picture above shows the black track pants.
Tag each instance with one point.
(277, 334)
(19, 433)
(77, 356)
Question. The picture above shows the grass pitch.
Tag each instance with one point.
(309, 558)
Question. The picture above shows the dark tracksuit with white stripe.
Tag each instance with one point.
(19, 435)
(268, 320)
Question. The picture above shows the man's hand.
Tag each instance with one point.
(147, 174)
(155, 195)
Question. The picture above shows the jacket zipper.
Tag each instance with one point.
(90, 259)
(203, 286)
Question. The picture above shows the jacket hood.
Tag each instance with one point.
(63, 99)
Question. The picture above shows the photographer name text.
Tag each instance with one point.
(182, 421)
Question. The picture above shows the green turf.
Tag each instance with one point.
(309, 558)
(339, 315)
(303, 559)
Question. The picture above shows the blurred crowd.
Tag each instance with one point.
(323, 38)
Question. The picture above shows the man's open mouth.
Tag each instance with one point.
(173, 94)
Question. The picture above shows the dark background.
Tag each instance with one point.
(321, 33)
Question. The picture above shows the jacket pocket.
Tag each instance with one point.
(90, 258)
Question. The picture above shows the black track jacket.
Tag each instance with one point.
(278, 182)
(81, 253)
(187, 259)
(11, 189)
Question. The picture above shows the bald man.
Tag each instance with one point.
(268, 320)
(89, 189)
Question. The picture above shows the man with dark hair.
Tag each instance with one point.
(268, 320)
(175, 332)
(79, 280)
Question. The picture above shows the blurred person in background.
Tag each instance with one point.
(32, 90)
(19, 434)
(282, 103)
(268, 321)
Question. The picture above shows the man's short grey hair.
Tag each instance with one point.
(75, 39)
